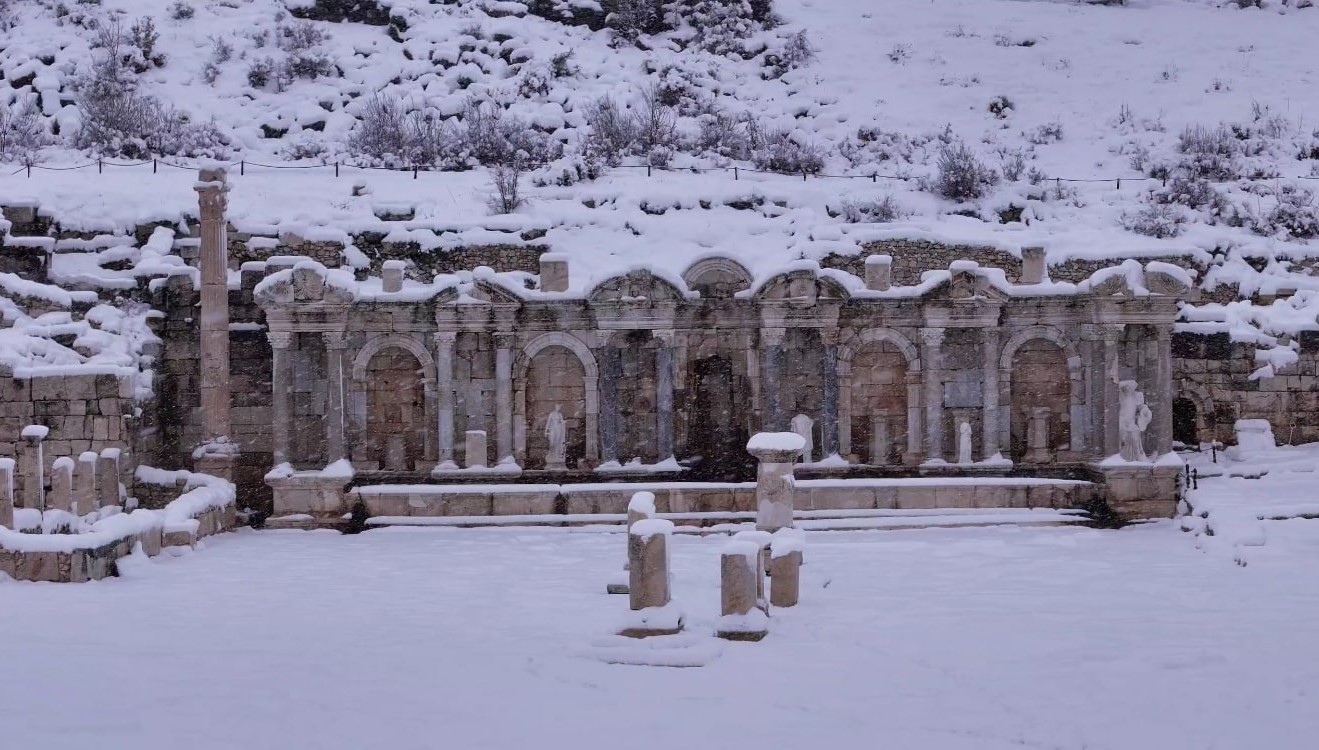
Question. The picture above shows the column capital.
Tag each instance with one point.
(280, 339)
(773, 336)
(335, 339)
(830, 336)
(446, 339)
(504, 340)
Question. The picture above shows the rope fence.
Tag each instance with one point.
(100, 166)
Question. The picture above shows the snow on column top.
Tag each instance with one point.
(642, 502)
(394, 265)
(776, 441)
(879, 260)
(749, 550)
(35, 432)
(63, 462)
(759, 538)
(648, 527)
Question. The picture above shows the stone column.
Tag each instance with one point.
(932, 357)
(663, 395)
(611, 369)
(281, 380)
(32, 467)
(990, 419)
(880, 441)
(1162, 400)
(6, 493)
(739, 568)
(639, 508)
(84, 483)
(829, 401)
(785, 556)
(915, 419)
(776, 452)
(61, 486)
(107, 478)
(211, 197)
(1037, 436)
(771, 353)
(1109, 377)
(444, 343)
(503, 397)
(335, 405)
(649, 588)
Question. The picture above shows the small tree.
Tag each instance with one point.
(506, 179)
(962, 176)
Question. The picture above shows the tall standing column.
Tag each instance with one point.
(990, 426)
(771, 349)
(504, 395)
(444, 342)
(932, 358)
(829, 405)
(32, 466)
(211, 197)
(611, 369)
(1163, 388)
(335, 343)
(1112, 338)
(663, 395)
(281, 368)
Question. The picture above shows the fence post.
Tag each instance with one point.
(734, 174)
(99, 167)
(648, 170)
(414, 172)
(242, 168)
(1119, 183)
(803, 175)
(874, 177)
(29, 171)
(336, 169)
(155, 166)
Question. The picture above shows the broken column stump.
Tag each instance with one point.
(741, 581)
(649, 589)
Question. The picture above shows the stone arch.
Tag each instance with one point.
(364, 383)
(396, 423)
(589, 390)
(633, 285)
(1206, 424)
(1076, 414)
(854, 427)
(1040, 386)
(717, 277)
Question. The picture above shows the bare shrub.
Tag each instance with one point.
(655, 123)
(725, 135)
(304, 57)
(1192, 192)
(389, 134)
(961, 175)
(22, 134)
(1294, 215)
(879, 211)
(781, 152)
(506, 179)
(1211, 153)
(612, 133)
(1158, 220)
(492, 136)
(1012, 161)
(796, 52)
(181, 11)
(1049, 132)
(630, 19)
(260, 72)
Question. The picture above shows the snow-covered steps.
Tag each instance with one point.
(727, 523)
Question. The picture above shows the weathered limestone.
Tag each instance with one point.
(7, 493)
(762, 540)
(1037, 435)
(474, 449)
(649, 587)
(31, 465)
(391, 279)
(281, 380)
(639, 508)
(879, 272)
(444, 342)
(84, 482)
(61, 486)
(740, 583)
(785, 557)
(553, 272)
(212, 199)
(776, 452)
(107, 478)
(880, 443)
(1032, 265)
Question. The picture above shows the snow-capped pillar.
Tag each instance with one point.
(932, 358)
(107, 478)
(553, 272)
(1162, 407)
(444, 343)
(649, 585)
(280, 381)
(6, 493)
(61, 485)
(879, 272)
(211, 197)
(391, 278)
(990, 421)
(31, 467)
(663, 395)
(335, 343)
(504, 396)
(771, 352)
(775, 486)
(1032, 265)
(829, 406)
(611, 369)
(84, 483)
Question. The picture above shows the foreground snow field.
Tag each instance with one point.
(974, 638)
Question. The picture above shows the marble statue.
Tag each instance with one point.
(804, 426)
(964, 443)
(1133, 417)
(556, 432)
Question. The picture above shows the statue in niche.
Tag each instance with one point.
(1133, 417)
(804, 426)
(556, 432)
(964, 443)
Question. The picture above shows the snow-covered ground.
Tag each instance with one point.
(976, 638)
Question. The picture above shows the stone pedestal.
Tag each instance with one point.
(553, 272)
(396, 452)
(7, 493)
(1037, 436)
(1032, 265)
(309, 493)
(213, 312)
(84, 483)
(879, 272)
(61, 486)
(107, 478)
(216, 464)
(740, 580)
(776, 452)
(639, 508)
(474, 452)
(392, 276)
(785, 572)
(648, 581)
(1141, 491)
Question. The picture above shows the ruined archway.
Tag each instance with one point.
(396, 424)
(879, 410)
(555, 377)
(1040, 381)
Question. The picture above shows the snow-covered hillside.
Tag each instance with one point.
(1157, 127)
